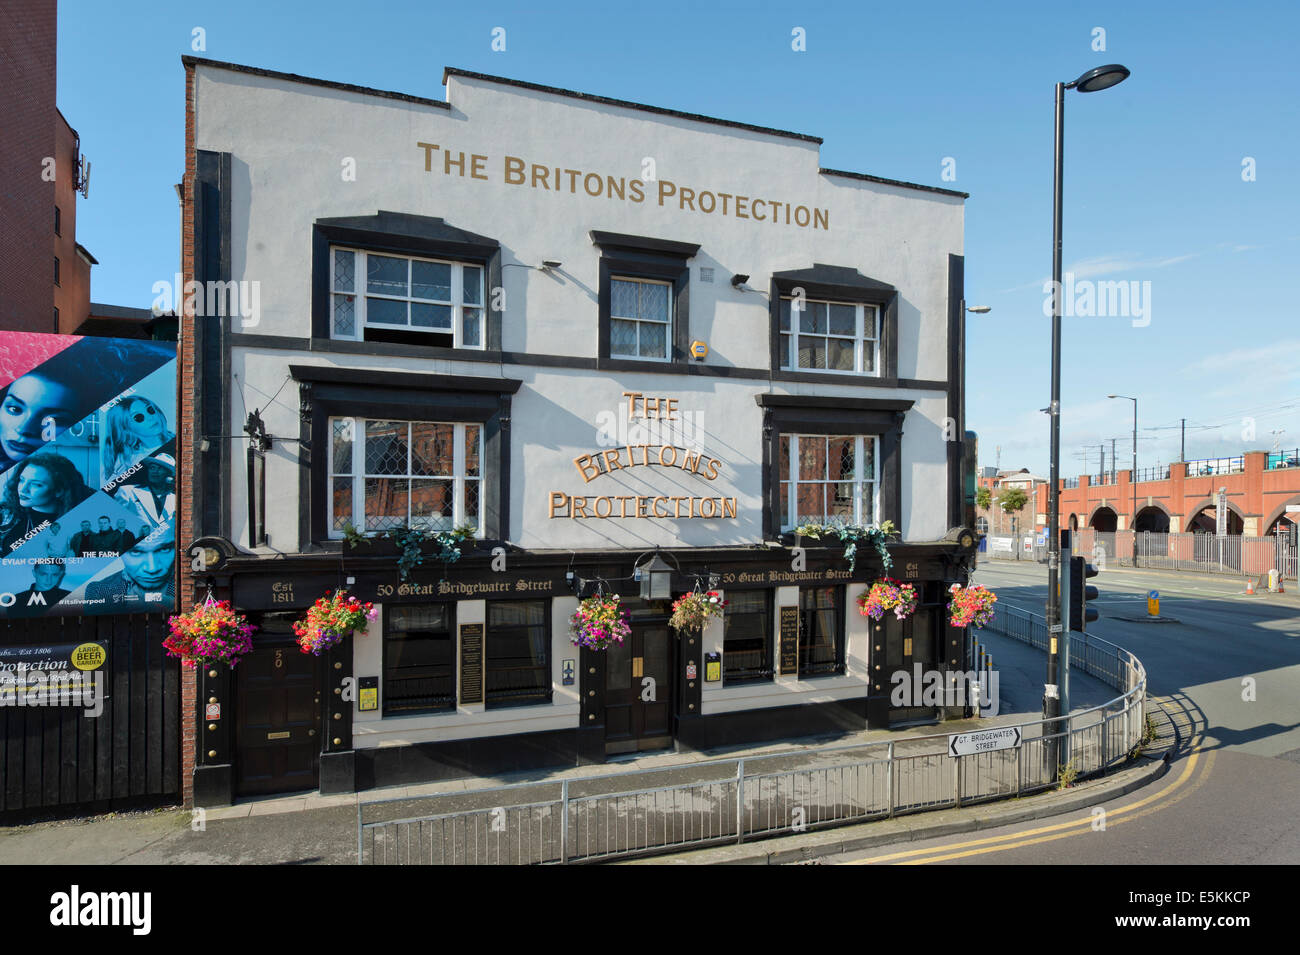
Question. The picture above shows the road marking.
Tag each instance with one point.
(1073, 828)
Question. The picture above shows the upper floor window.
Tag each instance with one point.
(398, 474)
(58, 221)
(829, 336)
(828, 477)
(381, 297)
(56, 270)
(640, 319)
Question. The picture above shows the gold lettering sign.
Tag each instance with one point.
(549, 177)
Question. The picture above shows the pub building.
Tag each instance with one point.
(631, 348)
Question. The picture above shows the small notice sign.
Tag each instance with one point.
(471, 663)
(789, 639)
(212, 711)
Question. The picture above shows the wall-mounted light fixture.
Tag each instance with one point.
(738, 281)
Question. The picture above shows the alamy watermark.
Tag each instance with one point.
(1085, 298)
(945, 688)
(192, 299)
(28, 686)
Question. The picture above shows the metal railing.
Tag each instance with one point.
(1283, 459)
(1203, 467)
(1158, 473)
(762, 796)
(1068, 483)
(1233, 554)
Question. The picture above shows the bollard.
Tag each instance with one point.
(1153, 603)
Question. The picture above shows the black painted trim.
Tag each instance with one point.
(591, 98)
(212, 348)
(956, 385)
(893, 182)
(191, 61)
(355, 393)
(827, 415)
(629, 263)
(842, 283)
(324, 374)
(391, 350)
(402, 234)
(641, 243)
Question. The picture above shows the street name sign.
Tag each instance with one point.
(985, 741)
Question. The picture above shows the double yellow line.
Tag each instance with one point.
(1061, 830)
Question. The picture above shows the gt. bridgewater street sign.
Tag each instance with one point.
(985, 741)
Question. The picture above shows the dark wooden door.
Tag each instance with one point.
(910, 649)
(639, 691)
(277, 733)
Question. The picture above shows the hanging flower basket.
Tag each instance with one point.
(690, 611)
(887, 594)
(330, 619)
(210, 633)
(970, 606)
(597, 623)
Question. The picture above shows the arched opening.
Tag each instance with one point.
(1152, 519)
(1203, 522)
(1104, 519)
(1152, 526)
(1074, 522)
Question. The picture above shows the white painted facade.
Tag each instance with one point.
(294, 147)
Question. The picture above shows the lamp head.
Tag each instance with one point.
(1100, 78)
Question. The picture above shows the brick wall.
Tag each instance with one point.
(72, 293)
(28, 30)
(185, 440)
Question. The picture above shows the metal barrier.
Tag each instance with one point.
(756, 797)
(1206, 553)
(1208, 466)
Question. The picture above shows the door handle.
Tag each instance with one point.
(638, 667)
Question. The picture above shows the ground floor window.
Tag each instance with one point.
(821, 631)
(747, 637)
(419, 658)
(518, 652)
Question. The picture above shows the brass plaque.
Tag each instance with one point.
(638, 667)
(283, 734)
(907, 646)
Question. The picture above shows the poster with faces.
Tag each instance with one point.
(87, 475)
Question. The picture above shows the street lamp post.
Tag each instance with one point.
(1133, 480)
(1100, 78)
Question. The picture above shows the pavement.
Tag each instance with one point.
(315, 829)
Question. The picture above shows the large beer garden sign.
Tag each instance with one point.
(660, 414)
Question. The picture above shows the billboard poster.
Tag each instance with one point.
(87, 475)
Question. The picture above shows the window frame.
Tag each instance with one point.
(859, 338)
(767, 671)
(839, 638)
(454, 639)
(359, 476)
(641, 258)
(845, 286)
(326, 391)
(410, 236)
(638, 321)
(362, 296)
(792, 480)
(830, 415)
(545, 666)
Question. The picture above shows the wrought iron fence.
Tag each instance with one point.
(756, 797)
(1157, 473)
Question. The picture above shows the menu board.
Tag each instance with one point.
(471, 663)
(789, 635)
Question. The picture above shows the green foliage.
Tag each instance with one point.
(353, 536)
(410, 541)
(850, 535)
(1013, 499)
(1066, 775)
(984, 498)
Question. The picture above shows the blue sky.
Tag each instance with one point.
(1154, 187)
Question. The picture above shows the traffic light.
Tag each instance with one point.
(1076, 593)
